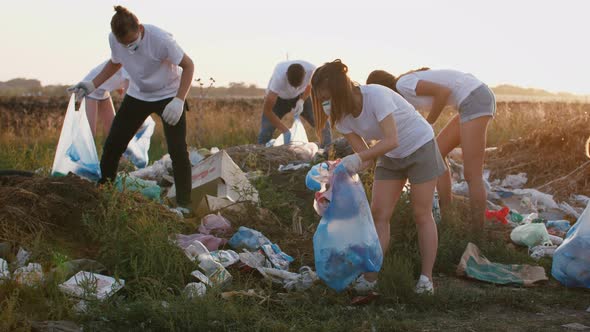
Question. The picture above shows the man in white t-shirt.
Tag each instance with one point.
(289, 90)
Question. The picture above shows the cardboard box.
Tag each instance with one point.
(218, 176)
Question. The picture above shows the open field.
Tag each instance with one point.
(129, 235)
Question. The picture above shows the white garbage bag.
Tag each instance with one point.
(139, 146)
(76, 151)
(298, 135)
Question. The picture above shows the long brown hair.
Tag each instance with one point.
(332, 76)
(384, 78)
(123, 22)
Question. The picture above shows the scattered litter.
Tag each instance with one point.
(88, 285)
(293, 167)
(210, 241)
(202, 278)
(215, 272)
(476, 266)
(29, 275)
(67, 269)
(22, 257)
(194, 156)
(278, 258)
(298, 135)
(81, 307)
(225, 257)
(568, 209)
(214, 150)
(195, 289)
(344, 249)
(530, 235)
(571, 262)
(219, 176)
(254, 260)
(515, 181)
(584, 200)
(156, 171)
(555, 240)
(541, 251)
(4, 271)
(211, 204)
(562, 225)
(247, 238)
(215, 224)
(538, 198)
(576, 327)
(499, 215)
(291, 281)
(365, 299)
(147, 188)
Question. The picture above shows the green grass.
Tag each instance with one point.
(130, 236)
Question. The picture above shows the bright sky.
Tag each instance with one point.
(531, 43)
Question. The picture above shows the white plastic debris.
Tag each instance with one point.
(81, 307)
(214, 150)
(584, 200)
(576, 327)
(29, 275)
(291, 281)
(201, 277)
(538, 198)
(515, 181)
(293, 167)
(88, 285)
(4, 272)
(195, 289)
(570, 210)
(556, 240)
(541, 251)
(22, 257)
(225, 257)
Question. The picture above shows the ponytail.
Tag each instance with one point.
(123, 22)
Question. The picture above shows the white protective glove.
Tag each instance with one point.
(298, 109)
(82, 89)
(352, 163)
(173, 111)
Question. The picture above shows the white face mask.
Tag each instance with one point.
(132, 48)
(327, 106)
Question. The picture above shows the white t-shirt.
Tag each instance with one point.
(280, 85)
(153, 68)
(117, 81)
(460, 84)
(378, 102)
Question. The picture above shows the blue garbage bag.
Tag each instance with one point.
(247, 238)
(345, 243)
(571, 261)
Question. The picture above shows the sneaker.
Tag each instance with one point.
(363, 286)
(424, 286)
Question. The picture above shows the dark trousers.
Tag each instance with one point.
(127, 121)
(281, 108)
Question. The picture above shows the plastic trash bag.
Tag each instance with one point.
(139, 146)
(76, 151)
(149, 189)
(298, 135)
(247, 238)
(571, 261)
(530, 235)
(345, 242)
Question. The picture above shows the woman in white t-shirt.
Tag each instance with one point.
(432, 90)
(99, 104)
(160, 76)
(406, 151)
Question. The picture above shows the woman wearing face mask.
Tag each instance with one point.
(406, 151)
(432, 90)
(152, 59)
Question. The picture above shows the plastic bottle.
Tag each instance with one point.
(216, 273)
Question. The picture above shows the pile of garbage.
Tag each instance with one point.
(538, 222)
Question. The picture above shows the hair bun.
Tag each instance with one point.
(121, 9)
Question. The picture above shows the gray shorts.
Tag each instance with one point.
(421, 166)
(480, 102)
